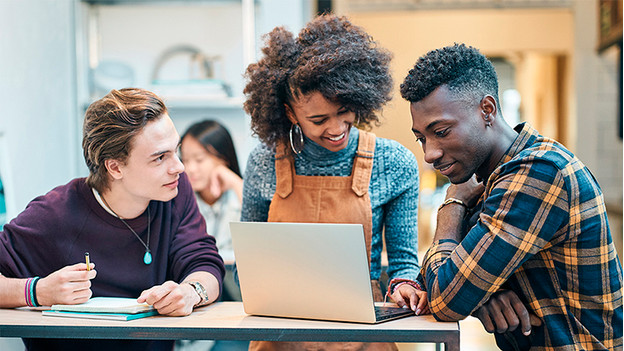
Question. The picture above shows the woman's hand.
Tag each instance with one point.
(222, 179)
(407, 296)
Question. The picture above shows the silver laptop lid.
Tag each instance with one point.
(303, 270)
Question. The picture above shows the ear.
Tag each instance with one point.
(290, 114)
(489, 107)
(113, 167)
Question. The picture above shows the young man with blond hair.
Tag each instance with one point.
(136, 216)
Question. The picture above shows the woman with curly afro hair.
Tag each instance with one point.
(306, 96)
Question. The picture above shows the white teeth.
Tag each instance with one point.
(445, 168)
(338, 137)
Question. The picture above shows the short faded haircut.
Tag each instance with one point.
(469, 75)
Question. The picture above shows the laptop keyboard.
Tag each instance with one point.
(383, 313)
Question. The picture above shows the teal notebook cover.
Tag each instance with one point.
(99, 315)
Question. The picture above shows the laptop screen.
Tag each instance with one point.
(303, 270)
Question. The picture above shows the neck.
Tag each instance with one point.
(122, 206)
(502, 138)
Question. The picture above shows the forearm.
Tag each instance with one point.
(12, 292)
(450, 222)
(448, 235)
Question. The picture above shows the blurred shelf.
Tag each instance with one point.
(201, 94)
(419, 5)
(162, 2)
(196, 103)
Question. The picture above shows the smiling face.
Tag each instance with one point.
(322, 121)
(452, 134)
(152, 169)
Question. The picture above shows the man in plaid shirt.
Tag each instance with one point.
(539, 254)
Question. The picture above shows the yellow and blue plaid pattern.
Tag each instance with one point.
(542, 232)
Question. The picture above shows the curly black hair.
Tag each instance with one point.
(330, 56)
(468, 74)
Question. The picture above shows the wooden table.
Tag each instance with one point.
(227, 321)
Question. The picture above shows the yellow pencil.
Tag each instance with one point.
(88, 263)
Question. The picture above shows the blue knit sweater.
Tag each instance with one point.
(393, 193)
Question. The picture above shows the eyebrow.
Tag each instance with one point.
(341, 108)
(158, 153)
(431, 125)
(317, 116)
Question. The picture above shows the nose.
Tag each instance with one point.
(177, 166)
(432, 152)
(337, 125)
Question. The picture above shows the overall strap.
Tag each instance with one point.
(363, 163)
(284, 171)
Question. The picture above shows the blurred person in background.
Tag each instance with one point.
(210, 161)
(209, 158)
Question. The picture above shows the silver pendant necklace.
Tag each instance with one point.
(147, 258)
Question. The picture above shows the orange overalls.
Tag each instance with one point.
(326, 199)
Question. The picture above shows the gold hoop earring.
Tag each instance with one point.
(296, 129)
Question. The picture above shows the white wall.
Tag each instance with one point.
(38, 129)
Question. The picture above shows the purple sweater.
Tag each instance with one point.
(56, 229)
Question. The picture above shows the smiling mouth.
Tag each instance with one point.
(445, 168)
(172, 183)
(338, 137)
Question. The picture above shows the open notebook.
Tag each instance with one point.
(307, 270)
(117, 308)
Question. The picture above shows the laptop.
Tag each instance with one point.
(307, 270)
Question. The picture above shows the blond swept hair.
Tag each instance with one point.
(110, 125)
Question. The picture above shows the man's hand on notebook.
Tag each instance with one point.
(407, 296)
(170, 298)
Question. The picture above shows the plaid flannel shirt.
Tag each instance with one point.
(542, 232)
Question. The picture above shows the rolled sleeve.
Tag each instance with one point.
(436, 255)
(522, 211)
